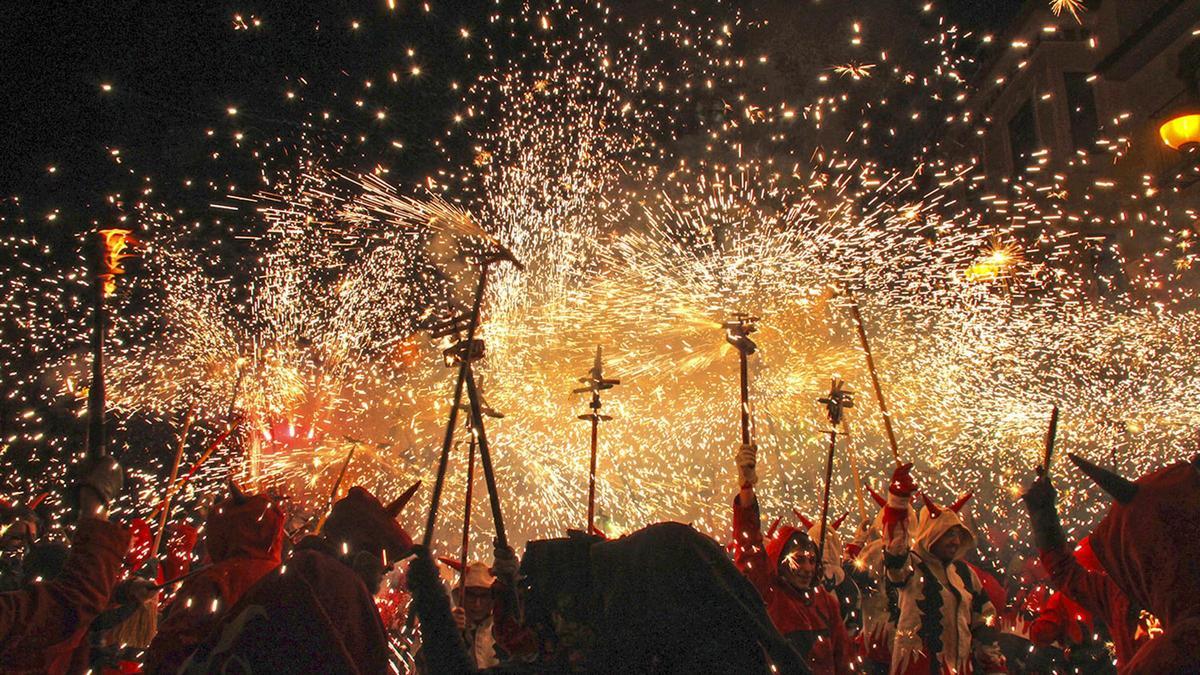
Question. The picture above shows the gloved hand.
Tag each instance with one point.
(101, 477)
(902, 484)
(505, 563)
(1039, 501)
(1041, 494)
(747, 459)
(134, 590)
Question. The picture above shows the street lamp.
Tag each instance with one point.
(1182, 131)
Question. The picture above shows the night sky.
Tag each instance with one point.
(176, 67)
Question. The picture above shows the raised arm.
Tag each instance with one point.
(1091, 590)
(896, 537)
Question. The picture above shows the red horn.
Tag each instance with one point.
(838, 523)
(807, 523)
(877, 497)
(451, 563)
(397, 506)
(934, 511)
(771, 532)
(958, 504)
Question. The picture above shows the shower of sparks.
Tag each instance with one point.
(657, 171)
(1072, 7)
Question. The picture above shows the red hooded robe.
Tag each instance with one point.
(1149, 546)
(793, 612)
(244, 539)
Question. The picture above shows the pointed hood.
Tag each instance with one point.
(933, 522)
(832, 558)
(785, 538)
(244, 526)
(1149, 545)
(362, 523)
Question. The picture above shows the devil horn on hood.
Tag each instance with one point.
(838, 523)
(1121, 489)
(934, 511)
(236, 493)
(771, 532)
(453, 563)
(397, 506)
(958, 503)
(807, 523)
(876, 496)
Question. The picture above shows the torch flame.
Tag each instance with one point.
(116, 242)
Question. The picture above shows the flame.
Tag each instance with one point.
(116, 242)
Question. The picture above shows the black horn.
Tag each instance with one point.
(236, 493)
(397, 506)
(1120, 489)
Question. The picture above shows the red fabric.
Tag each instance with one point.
(1149, 547)
(790, 611)
(244, 541)
(313, 615)
(41, 625)
(1060, 620)
(1097, 594)
(179, 551)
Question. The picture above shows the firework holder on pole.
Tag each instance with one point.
(836, 402)
(737, 333)
(463, 353)
(596, 383)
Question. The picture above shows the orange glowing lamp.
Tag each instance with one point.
(116, 244)
(1182, 131)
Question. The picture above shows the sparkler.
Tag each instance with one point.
(836, 402)
(596, 383)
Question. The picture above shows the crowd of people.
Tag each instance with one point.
(908, 593)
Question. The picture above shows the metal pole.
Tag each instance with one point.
(466, 537)
(825, 507)
(96, 446)
(592, 470)
(448, 439)
(745, 392)
(485, 458)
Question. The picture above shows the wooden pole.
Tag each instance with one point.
(166, 511)
(856, 314)
(96, 441)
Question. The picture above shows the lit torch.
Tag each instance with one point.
(112, 252)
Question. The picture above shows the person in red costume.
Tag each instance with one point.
(42, 624)
(785, 572)
(1092, 589)
(317, 613)
(244, 538)
(946, 623)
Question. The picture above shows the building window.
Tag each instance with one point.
(1023, 136)
(1081, 110)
